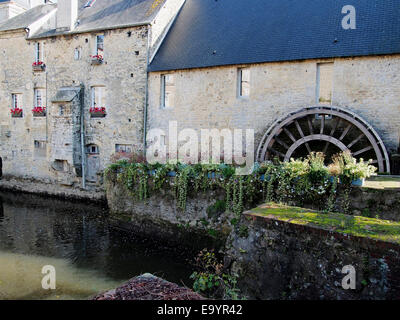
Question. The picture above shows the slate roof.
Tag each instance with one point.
(102, 15)
(108, 14)
(225, 32)
(25, 19)
(23, 3)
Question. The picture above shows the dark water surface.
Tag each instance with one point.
(89, 256)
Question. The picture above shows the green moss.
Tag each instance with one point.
(354, 225)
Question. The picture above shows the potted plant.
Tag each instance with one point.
(39, 111)
(38, 66)
(97, 112)
(351, 171)
(16, 112)
(97, 59)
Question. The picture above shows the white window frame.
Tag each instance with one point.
(38, 52)
(123, 148)
(96, 48)
(40, 91)
(101, 95)
(240, 82)
(163, 89)
(16, 100)
(318, 84)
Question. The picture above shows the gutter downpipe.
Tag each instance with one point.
(83, 158)
(147, 93)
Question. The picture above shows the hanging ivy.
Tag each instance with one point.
(294, 182)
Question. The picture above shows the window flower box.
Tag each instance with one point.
(38, 66)
(16, 113)
(39, 112)
(96, 59)
(97, 112)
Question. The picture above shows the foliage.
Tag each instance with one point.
(349, 169)
(210, 279)
(299, 182)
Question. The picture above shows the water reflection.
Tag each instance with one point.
(89, 256)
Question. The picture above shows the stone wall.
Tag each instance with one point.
(67, 58)
(207, 98)
(123, 73)
(281, 260)
(159, 217)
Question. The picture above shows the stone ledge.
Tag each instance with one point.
(379, 232)
(49, 189)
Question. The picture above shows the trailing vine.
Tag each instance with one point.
(297, 182)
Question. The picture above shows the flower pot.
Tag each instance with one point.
(16, 115)
(263, 178)
(211, 175)
(39, 67)
(96, 61)
(171, 174)
(39, 114)
(97, 115)
(358, 182)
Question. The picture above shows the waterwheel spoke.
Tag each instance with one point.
(356, 140)
(310, 126)
(282, 143)
(363, 150)
(345, 132)
(302, 135)
(277, 153)
(335, 126)
(322, 124)
(289, 134)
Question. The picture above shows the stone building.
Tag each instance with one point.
(73, 79)
(12, 8)
(86, 79)
(301, 75)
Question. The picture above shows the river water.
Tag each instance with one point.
(76, 239)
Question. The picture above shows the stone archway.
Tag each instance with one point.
(323, 128)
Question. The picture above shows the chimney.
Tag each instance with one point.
(67, 14)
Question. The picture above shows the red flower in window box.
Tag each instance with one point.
(97, 112)
(16, 112)
(97, 59)
(38, 66)
(39, 111)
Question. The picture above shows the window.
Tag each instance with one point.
(98, 97)
(163, 140)
(77, 53)
(243, 82)
(99, 45)
(123, 148)
(61, 110)
(92, 149)
(89, 3)
(167, 90)
(40, 98)
(60, 165)
(16, 99)
(324, 83)
(38, 52)
(40, 149)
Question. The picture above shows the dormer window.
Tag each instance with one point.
(89, 3)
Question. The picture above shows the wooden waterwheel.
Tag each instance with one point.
(323, 129)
